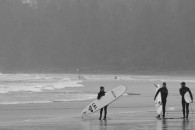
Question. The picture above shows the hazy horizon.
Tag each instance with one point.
(97, 35)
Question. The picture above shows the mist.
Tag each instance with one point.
(97, 35)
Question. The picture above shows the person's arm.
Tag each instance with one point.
(156, 94)
(98, 97)
(180, 92)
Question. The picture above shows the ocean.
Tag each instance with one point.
(47, 88)
(40, 88)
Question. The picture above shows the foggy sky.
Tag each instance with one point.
(106, 35)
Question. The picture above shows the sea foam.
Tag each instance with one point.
(35, 83)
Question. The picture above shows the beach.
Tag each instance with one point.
(135, 110)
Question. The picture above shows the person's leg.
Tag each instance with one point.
(101, 110)
(183, 108)
(105, 112)
(187, 109)
(164, 106)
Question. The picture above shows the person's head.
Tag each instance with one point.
(163, 84)
(101, 88)
(183, 84)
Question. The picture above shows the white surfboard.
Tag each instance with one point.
(187, 97)
(109, 97)
(158, 101)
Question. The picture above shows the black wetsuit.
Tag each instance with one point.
(185, 105)
(100, 94)
(164, 94)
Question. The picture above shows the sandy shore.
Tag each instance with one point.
(130, 112)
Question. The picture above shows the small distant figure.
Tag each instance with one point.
(100, 94)
(164, 94)
(185, 105)
(115, 77)
(78, 71)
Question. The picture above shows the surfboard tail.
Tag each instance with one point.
(84, 114)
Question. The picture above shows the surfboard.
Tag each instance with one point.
(187, 97)
(158, 101)
(109, 97)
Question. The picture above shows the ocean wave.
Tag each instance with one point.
(141, 78)
(39, 87)
(34, 77)
(52, 98)
(23, 102)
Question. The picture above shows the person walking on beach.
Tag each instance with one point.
(100, 94)
(185, 105)
(164, 93)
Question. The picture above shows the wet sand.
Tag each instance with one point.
(130, 112)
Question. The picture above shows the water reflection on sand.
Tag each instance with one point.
(103, 125)
(164, 124)
(175, 124)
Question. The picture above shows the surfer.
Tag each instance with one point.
(100, 94)
(185, 105)
(164, 93)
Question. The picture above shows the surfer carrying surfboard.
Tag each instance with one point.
(164, 93)
(184, 100)
(100, 94)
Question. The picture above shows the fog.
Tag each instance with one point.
(97, 35)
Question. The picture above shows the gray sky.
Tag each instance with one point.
(114, 35)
